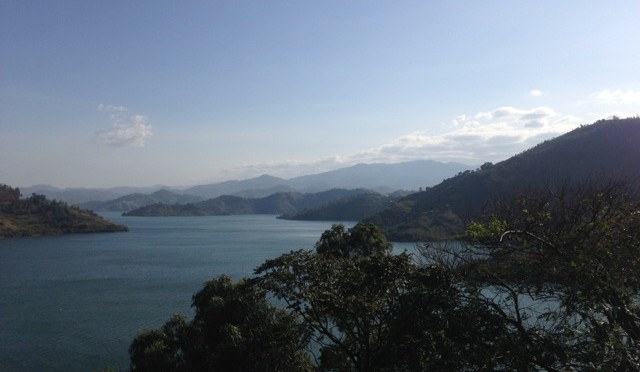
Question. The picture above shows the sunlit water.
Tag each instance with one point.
(74, 302)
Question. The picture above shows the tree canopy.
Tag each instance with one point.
(234, 329)
(547, 281)
(568, 259)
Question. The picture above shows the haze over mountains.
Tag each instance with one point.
(383, 178)
(137, 200)
(289, 203)
(592, 153)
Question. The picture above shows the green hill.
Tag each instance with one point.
(352, 208)
(36, 215)
(138, 200)
(592, 153)
(278, 203)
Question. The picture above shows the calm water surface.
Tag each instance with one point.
(75, 302)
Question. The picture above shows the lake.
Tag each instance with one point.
(75, 302)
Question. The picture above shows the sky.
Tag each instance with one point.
(141, 93)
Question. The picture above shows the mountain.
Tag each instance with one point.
(261, 193)
(384, 178)
(232, 187)
(592, 153)
(353, 208)
(75, 196)
(36, 215)
(138, 200)
(278, 203)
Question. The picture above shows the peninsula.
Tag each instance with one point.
(36, 215)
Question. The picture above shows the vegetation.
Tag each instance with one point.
(353, 208)
(565, 264)
(287, 203)
(370, 310)
(548, 281)
(36, 215)
(605, 149)
(234, 329)
(138, 200)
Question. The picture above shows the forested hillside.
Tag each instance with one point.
(138, 200)
(592, 153)
(353, 208)
(278, 203)
(36, 215)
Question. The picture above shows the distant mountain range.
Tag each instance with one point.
(353, 208)
(137, 200)
(383, 178)
(76, 196)
(288, 203)
(593, 153)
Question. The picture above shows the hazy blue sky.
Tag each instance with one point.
(105, 93)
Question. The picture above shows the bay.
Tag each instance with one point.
(75, 302)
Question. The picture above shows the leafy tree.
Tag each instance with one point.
(563, 267)
(486, 166)
(364, 240)
(161, 349)
(234, 329)
(549, 282)
(370, 310)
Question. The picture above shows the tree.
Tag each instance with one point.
(234, 329)
(162, 349)
(371, 310)
(549, 282)
(563, 265)
(364, 240)
(486, 166)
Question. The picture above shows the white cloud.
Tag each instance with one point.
(125, 130)
(485, 136)
(535, 124)
(473, 139)
(535, 93)
(625, 97)
(111, 108)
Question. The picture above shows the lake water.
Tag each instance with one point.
(75, 302)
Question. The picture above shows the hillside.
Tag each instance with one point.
(138, 200)
(231, 187)
(383, 178)
(278, 203)
(352, 208)
(36, 215)
(593, 153)
(77, 196)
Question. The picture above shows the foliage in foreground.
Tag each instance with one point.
(550, 282)
(566, 266)
(234, 329)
